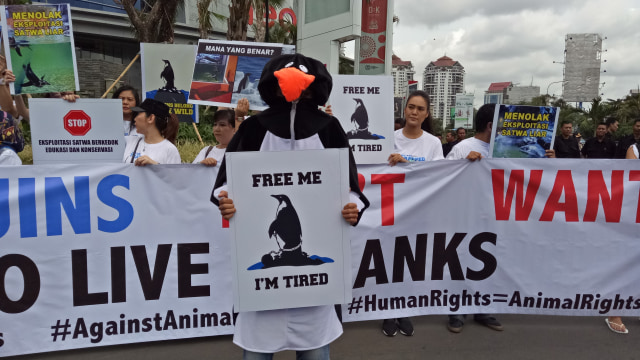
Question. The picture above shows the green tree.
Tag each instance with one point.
(238, 19)
(155, 20)
(259, 24)
(204, 17)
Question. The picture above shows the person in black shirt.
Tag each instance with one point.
(565, 144)
(451, 142)
(625, 142)
(599, 147)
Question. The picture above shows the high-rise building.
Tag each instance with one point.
(581, 67)
(509, 93)
(442, 80)
(402, 72)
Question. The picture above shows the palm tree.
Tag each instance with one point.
(258, 25)
(154, 21)
(238, 19)
(204, 17)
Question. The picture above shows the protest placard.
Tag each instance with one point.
(166, 77)
(291, 247)
(226, 71)
(40, 50)
(84, 131)
(521, 131)
(364, 105)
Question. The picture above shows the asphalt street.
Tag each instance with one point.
(524, 337)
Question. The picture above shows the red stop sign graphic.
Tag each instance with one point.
(77, 122)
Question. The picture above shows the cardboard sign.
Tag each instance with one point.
(226, 71)
(41, 52)
(166, 77)
(523, 131)
(86, 131)
(291, 247)
(364, 105)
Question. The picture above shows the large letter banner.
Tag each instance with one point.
(538, 236)
(108, 255)
(289, 238)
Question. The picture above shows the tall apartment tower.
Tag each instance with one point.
(581, 67)
(402, 72)
(442, 80)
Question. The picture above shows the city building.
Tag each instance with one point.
(442, 80)
(496, 93)
(508, 93)
(582, 64)
(402, 72)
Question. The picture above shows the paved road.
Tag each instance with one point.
(525, 337)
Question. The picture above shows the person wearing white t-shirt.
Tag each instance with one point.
(223, 129)
(413, 144)
(159, 129)
(475, 148)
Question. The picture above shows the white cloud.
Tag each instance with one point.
(516, 41)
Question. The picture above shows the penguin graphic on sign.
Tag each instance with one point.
(360, 119)
(287, 232)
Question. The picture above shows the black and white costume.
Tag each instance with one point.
(301, 328)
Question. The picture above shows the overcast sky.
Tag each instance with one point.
(517, 41)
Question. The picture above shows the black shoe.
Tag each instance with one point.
(490, 322)
(405, 326)
(389, 327)
(455, 324)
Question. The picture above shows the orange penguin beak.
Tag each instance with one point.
(293, 82)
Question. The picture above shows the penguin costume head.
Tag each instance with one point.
(287, 78)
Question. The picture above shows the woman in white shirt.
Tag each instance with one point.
(413, 144)
(159, 129)
(224, 128)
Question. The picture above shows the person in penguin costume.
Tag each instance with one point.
(293, 86)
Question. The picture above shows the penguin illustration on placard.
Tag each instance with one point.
(287, 231)
(168, 76)
(360, 119)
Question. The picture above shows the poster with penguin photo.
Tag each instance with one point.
(227, 71)
(290, 241)
(39, 48)
(364, 106)
(166, 77)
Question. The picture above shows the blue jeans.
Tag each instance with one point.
(315, 354)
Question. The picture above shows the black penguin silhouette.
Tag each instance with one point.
(168, 75)
(360, 116)
(287, 228)
(34, 80)
(243, 83)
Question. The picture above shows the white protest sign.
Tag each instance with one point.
(85, 131)
(364, 106)
(291, 244)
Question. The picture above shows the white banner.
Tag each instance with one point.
(101, 255)
(108, 255)
(539, 236)
(291, 245)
